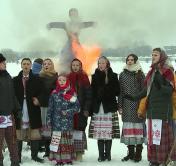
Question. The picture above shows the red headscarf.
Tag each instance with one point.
(69, 90)
(79, 77)
(165, 69)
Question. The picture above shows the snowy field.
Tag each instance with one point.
(90, 158)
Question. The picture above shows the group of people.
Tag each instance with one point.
(42, 104)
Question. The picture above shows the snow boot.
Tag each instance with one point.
(34, 151)
(138, 154)
(47, 150)
(79, 156)
(153, 164)
(130, 155)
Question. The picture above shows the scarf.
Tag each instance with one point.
(165, 70)
(78, 79)
(69, 91)
(135, 67)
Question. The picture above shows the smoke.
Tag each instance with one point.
(119, 23)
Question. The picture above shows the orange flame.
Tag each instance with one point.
(87, 55)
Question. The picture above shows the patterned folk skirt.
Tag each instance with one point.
(80, 141)
(45, 130)
(133, 133)
(159, 153)
(104, 126)
(65, 152)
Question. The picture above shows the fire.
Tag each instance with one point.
(86, 54)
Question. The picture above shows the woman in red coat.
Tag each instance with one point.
(79, 79)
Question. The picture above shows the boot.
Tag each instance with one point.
(108, 144)
(47, 149)
(138, 154)
(34, 151)
(130, 153)
(153, 164)
(101, 150)
(41, 145)
(20, 145)
(79, 156)
(1, 163)
(15, 163)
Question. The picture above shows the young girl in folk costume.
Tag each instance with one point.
(131, 81)
(80, 81)
(63, 104)
(159, 109)
(104, 124)
(48, 77)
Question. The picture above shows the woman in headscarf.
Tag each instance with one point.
(48, 77)
(159, 85)
(80, 81)
(104, 125)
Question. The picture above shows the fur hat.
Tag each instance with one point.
(2, 58)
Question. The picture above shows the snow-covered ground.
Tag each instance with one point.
(90, 158)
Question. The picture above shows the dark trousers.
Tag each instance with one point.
(34, 148)
(9, 135)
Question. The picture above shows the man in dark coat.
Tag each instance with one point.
(27, 88)
(8, 106)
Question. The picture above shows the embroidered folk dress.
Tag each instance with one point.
(60, 117)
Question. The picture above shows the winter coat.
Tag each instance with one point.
(159, 103)
(131, 82)
(104, 93)
(60, 112)
(33, 89)
(81, 83)
(8, 102)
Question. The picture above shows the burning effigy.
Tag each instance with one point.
(73, 48)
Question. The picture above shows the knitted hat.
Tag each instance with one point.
(37, 66)
(39, 60)
(2, 58)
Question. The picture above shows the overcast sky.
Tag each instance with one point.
(119, 23)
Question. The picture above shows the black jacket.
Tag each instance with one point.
(8, 102)
(33, 89)
(104, 93)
